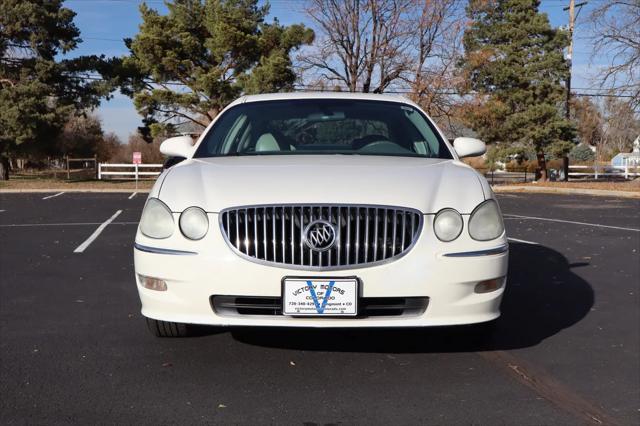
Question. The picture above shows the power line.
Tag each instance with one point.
(447, 92)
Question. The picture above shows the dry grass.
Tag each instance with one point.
(63, 185)
(629, 186)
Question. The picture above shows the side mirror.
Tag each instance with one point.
(469, 147)
(180, 146)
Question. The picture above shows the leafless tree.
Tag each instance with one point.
(375, 46)
(620, 128)
(616, 35)
(362, 44)
(437, 39)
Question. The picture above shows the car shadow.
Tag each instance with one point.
(543, 297)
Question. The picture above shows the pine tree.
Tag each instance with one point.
(38, 91)
(514, 62)
(189, 64)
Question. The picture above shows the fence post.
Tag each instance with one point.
(595, 169)
(525, 175)
(99, 171)
(626, 170)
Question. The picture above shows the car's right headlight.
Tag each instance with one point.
(157, 220)
(485, 222)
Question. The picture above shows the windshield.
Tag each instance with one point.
(323, 126)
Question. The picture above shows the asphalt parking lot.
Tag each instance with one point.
(75, 349)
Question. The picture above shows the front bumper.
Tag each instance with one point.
(428, 271)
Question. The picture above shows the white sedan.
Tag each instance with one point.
(320, 210)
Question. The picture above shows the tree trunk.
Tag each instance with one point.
(542, 167)
(4, 168)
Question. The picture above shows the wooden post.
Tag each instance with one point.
(565, 167)
(68, 168)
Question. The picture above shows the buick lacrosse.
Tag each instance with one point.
(320, 210)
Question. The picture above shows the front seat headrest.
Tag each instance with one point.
(267, 142)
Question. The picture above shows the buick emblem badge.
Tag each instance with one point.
(320, 235)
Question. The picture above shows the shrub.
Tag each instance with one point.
(581, 153)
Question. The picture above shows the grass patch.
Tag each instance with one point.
(64, 185)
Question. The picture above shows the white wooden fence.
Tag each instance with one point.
(597, 171)
(128, 171)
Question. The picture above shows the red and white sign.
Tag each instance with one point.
(137, 158)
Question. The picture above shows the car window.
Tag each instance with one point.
(323, 126)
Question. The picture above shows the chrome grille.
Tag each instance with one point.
(365, 235)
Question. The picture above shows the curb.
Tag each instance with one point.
(111, 190)
(573, 191)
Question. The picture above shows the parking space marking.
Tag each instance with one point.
(26, 225)
(82, 247)
(54, 195)
(132, 195)
(516, 240)
(597, 225)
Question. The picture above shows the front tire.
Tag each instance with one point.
(167, 329)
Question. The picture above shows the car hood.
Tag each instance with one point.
(428, 185)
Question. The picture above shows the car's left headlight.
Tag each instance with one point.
(485, 222)
(194, 223)
(447, 225)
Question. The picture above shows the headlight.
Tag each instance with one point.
(194, 223)
(447, 225)
(157, 220)
(486, 222)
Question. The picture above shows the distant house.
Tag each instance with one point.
(628, 158)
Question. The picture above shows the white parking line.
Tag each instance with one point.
(132, 195)
(54, 195)
(515, 240)
(82, 247)
(26, 225)
(597, 225)
(2, 211)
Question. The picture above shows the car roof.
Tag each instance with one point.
(322, 95)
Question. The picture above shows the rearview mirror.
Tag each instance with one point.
(180, 146)
(469, 147)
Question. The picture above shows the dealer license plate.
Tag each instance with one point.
(320, 297)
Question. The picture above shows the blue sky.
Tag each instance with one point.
(104, 23)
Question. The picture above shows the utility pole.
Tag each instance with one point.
(572, 21)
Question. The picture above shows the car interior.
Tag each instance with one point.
(338, 128)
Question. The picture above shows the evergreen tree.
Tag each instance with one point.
(38, 92)
(192, 62)
(514, 61)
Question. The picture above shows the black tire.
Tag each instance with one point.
(167, 329)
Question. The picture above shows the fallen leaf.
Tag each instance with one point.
(222, 406)
(292, 363)
(167, 364)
